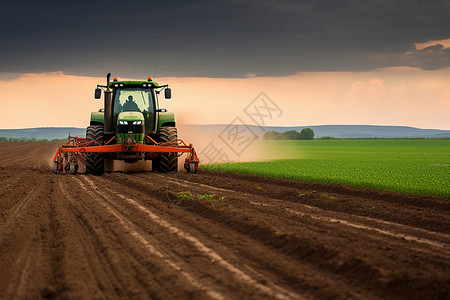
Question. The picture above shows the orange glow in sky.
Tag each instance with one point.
(391, 96)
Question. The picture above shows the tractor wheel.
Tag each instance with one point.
(95, 164)
(167, 162)
(192, 168)
(55, 167)
(73, 169)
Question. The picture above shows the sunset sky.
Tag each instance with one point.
(341, 62)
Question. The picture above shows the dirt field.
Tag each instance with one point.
(129, 236)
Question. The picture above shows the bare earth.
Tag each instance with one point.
(128, 236)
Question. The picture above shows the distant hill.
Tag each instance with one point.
(342, 131)
(338, 131)
(368, 131)
(43, 132)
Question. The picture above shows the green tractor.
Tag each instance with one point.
(131, 116)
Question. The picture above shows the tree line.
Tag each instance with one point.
(305, 134)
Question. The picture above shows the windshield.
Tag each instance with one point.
(133, 100)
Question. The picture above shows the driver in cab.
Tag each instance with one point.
(130, 105)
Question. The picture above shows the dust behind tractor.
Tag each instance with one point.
(131, 127)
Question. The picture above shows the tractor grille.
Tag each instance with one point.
(130, 129)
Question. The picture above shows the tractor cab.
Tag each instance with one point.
(137, 97)
(133, 113)
(132, 108)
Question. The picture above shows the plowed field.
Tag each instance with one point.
(211, 236)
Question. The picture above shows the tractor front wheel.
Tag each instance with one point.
(166, 162)
(95, 163)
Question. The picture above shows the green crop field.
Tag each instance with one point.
(407, 166)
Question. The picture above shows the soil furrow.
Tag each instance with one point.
(273, 291)
(315, 251)
(131, 229)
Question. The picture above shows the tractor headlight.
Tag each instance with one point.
(137, 122)
(123, 122)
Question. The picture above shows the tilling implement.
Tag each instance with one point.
(131, 127)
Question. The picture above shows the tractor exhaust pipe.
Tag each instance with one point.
(108, 119)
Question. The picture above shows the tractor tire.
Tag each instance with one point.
(192, 168)
(95, 163)
(73, 169)
(167, 162)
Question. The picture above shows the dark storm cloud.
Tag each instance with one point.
(220, 38)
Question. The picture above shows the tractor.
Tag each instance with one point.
(130, 127)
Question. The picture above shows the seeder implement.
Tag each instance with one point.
(67, 157)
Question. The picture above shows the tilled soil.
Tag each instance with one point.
(164, 236)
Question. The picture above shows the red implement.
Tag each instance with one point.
(77, 148)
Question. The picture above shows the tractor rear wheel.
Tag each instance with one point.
(167, 162)
(95, 164)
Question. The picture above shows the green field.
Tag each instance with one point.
(407, 166)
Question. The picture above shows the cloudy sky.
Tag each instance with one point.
(382, 62)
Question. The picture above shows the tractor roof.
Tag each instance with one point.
(129, 83)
